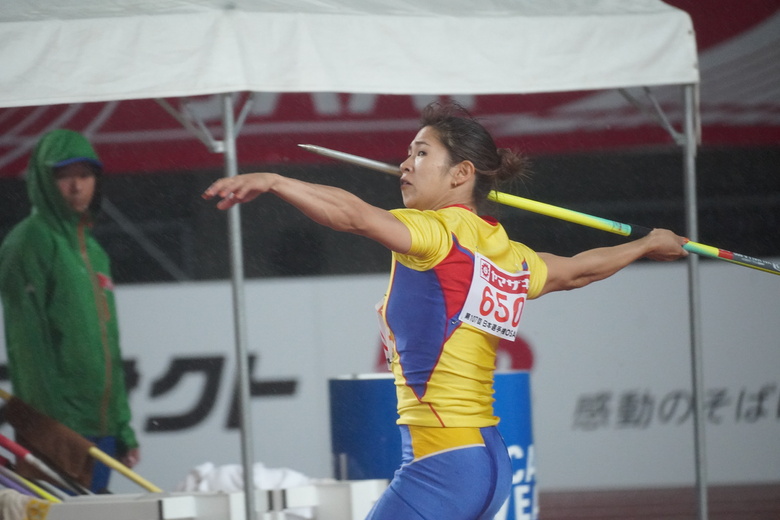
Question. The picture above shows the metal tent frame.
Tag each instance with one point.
(147, 51)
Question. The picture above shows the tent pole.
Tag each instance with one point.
(141, 239)
(239, 310)
(697, 376)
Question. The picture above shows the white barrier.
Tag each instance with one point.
(328, 501)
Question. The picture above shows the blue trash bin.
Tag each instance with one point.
(513, 406)
(365, 440)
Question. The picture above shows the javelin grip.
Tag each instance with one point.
(639, 231)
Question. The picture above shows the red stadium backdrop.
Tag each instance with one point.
(738, 108)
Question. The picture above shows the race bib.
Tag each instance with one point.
(496, 298)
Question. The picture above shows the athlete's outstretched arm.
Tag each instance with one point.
(565, 273)
(333, 207)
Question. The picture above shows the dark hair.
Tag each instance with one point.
(467, 140)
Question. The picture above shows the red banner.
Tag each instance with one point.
(140, 136)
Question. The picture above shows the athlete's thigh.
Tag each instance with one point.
(391, 506)
(452, 485)
(503, 471)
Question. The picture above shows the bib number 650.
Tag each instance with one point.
(496, 305)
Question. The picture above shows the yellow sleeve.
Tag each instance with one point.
(536, 266)
(431, 238)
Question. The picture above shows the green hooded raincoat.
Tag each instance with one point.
(58, 303)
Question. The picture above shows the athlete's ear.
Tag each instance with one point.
(463, 172)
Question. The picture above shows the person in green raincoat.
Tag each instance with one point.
(59, 313)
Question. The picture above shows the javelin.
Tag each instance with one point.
(37, 421)
(23, 453)
(583, 219)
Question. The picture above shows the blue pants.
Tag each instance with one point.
(465, 483)
(100, 472)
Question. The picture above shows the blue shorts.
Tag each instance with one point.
(467, 482)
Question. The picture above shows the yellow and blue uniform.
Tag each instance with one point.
(444, 367)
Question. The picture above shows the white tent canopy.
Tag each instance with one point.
(93, 50)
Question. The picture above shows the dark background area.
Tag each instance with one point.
(738, 195)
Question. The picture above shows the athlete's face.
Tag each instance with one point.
(77, 184)
(426, 174)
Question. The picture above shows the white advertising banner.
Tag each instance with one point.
(611, 379)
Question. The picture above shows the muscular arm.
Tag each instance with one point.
(332, 207)
(566, 273)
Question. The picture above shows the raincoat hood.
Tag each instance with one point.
(55, 149)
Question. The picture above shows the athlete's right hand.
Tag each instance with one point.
(239, 189)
